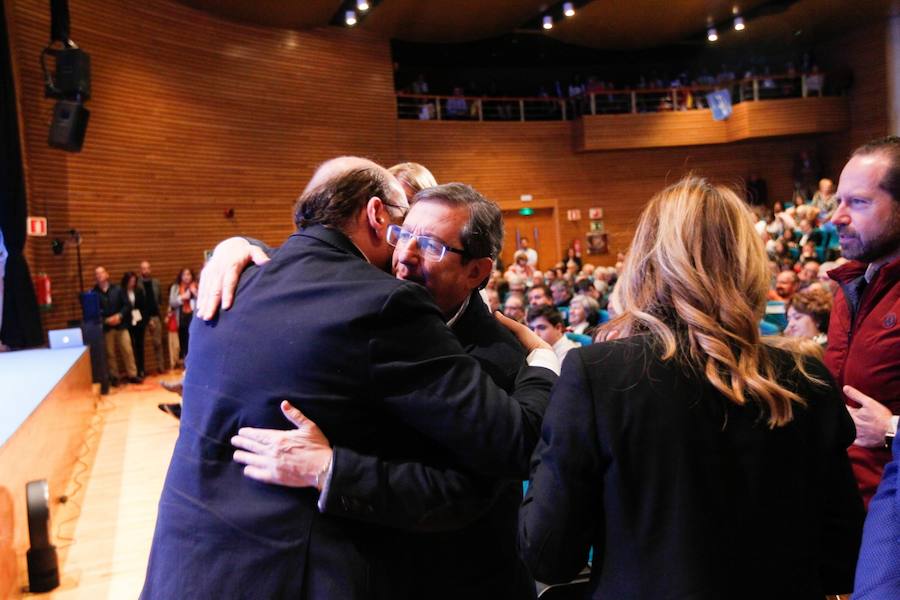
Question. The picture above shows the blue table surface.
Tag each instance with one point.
(26, 377)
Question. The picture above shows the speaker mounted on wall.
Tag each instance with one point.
(70, 119)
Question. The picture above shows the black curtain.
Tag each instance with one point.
(21, 319)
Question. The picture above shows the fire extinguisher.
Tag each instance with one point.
(42, 290)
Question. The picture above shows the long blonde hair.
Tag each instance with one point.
(696, 278)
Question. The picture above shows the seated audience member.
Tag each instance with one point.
(547, 322)
(808, 252)
(809, 273)
(695, 459)
(824, 199)
(562, 295)
(525, 246)
(116, 314)
(584, 314)
(520, 266)
(540, 295)
(809, 233)
(413, 177)
(514, 307)
(786, 285)
(537, 278)
(491, 298)
(808, 313)
(515, 284)
(586, 287)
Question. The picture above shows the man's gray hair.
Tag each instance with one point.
(482, 235)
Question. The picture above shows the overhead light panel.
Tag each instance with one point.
(739, 23)
(711, 34)
(568, 9)
(350, 18)
(362, 5)
(548, 22)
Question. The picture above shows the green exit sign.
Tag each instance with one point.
(526, 212)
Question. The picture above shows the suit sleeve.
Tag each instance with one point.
(269, 250)
(425, 379)
(405, 495)
(877, 575)
(563, 506)
(843, 511)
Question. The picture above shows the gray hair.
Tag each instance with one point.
(482, 235)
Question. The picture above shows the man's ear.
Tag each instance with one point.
(479, 271)
(377, 217)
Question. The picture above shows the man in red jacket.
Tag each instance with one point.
(863, 351)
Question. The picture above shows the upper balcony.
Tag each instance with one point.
(765, 106)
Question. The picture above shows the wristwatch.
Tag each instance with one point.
(891, 432)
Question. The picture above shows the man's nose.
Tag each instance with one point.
(408, 250)
(841, 216)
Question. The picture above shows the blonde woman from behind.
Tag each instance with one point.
(697, 461)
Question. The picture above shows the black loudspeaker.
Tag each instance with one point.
(73, 73)
(43, 567)
(70, 120)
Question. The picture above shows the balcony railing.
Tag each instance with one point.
(603, 101)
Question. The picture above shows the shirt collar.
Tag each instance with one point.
(459, 313)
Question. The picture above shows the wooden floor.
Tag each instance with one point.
(104, 547)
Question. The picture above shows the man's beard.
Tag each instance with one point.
(885, 244)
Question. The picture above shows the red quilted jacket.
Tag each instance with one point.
(865, 353)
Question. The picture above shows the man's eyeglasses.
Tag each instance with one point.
(431, 248)
(403, 209)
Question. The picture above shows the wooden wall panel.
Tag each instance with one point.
(191, 115)
(505, 160)
(860, 54)
(771, 118)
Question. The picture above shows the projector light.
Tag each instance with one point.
(739, 24)
(548, 22)
(362, 5)
(711, 34)
(350, 18)
(568, 9)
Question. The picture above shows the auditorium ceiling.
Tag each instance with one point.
(605, 24)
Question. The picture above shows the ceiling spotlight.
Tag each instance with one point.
(568, 9)
(362, 5)
(739, 24)
(711, 34)
(548, 22)
(350, 18)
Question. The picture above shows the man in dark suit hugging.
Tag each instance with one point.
(421, 435)
(460, 544)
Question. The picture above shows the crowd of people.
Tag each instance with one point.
(684, 438)
(140, 307)
(782, 80)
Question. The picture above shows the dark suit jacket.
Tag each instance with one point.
(368, 358)
(877, 574)
(472, 552)
(684, 494)
(114, 301)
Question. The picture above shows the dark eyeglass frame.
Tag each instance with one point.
(404, 236)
